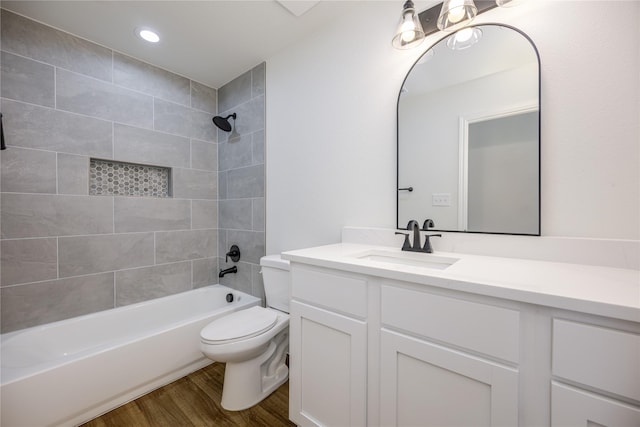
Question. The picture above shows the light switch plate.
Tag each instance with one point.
(441, 199)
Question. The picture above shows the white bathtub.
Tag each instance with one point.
(68, 372)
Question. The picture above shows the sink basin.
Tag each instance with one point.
(413, 259)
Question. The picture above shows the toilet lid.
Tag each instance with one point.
(239, 325)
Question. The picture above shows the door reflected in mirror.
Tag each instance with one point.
(469, 136)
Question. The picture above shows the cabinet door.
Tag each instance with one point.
(425, 384)
(328, 368)
(573, 407)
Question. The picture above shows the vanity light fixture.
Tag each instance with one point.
(147, 34)
(409, 33)
(456, 13)
(464, 38)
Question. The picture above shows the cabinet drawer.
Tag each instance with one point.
(599, 357)
(573, 407)
(490, 330)
(341, 293)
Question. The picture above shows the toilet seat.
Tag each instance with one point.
(238, 326)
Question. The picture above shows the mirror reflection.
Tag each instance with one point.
(468, 134)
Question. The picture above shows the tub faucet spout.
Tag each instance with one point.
(233, 269)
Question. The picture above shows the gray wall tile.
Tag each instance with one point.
(204, 98)
(222, 185)
(235, 154)
(241, 177)
(34, 40)
(257, 140)
(30, 126)
(28, 171)
(172, 118)
(73, 174)
(204, 214)
(204, 155)
(150, 147)
(257, 283)
(35, 215)
(134, 74)
(37, 303)
(258, 75)
(194, 184)
(245, 182)
(250, 116)
(106, 118)
(205, 272)
(202, 126)
(236, 214)
(223, 247)
(91, 97)
(27, 80)
(149, 214)
(172, 246)
(258, 214)
(180, 120)
(241, 280)
(235, 92)
(141, 284)
(251, 244)
(94, 254)
(29, 260)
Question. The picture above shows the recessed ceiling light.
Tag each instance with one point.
(148, 34)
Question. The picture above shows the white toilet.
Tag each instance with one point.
(253, 342)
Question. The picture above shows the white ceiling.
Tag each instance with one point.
(211, 42)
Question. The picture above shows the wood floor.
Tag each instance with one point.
(195, 401)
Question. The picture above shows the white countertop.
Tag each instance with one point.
(605, 291)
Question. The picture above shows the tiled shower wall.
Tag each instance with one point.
(241, 179)
(65, 253)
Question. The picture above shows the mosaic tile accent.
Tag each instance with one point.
(111, 178)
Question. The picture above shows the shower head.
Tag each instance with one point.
(223, 122)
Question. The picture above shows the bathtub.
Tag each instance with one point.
(68, 372)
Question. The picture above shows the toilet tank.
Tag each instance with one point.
(275, 275)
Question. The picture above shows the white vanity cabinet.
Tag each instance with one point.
(435, 361)
(328, 349)
(378, 346)
(596, 376)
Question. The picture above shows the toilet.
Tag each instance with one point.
(253, 342)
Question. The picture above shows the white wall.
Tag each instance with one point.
(331, 122)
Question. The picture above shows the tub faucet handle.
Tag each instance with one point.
(234, 253)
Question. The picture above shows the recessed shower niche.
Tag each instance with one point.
(113, 178)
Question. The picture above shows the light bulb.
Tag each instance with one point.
(408, 32)
(456, 11)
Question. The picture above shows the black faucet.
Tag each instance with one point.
(413, 226)
(428, 223)
(233, 269)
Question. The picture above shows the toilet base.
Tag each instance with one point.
(248, 383)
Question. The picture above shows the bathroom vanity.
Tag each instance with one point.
(385, 337)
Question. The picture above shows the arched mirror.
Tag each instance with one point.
(469, 134)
